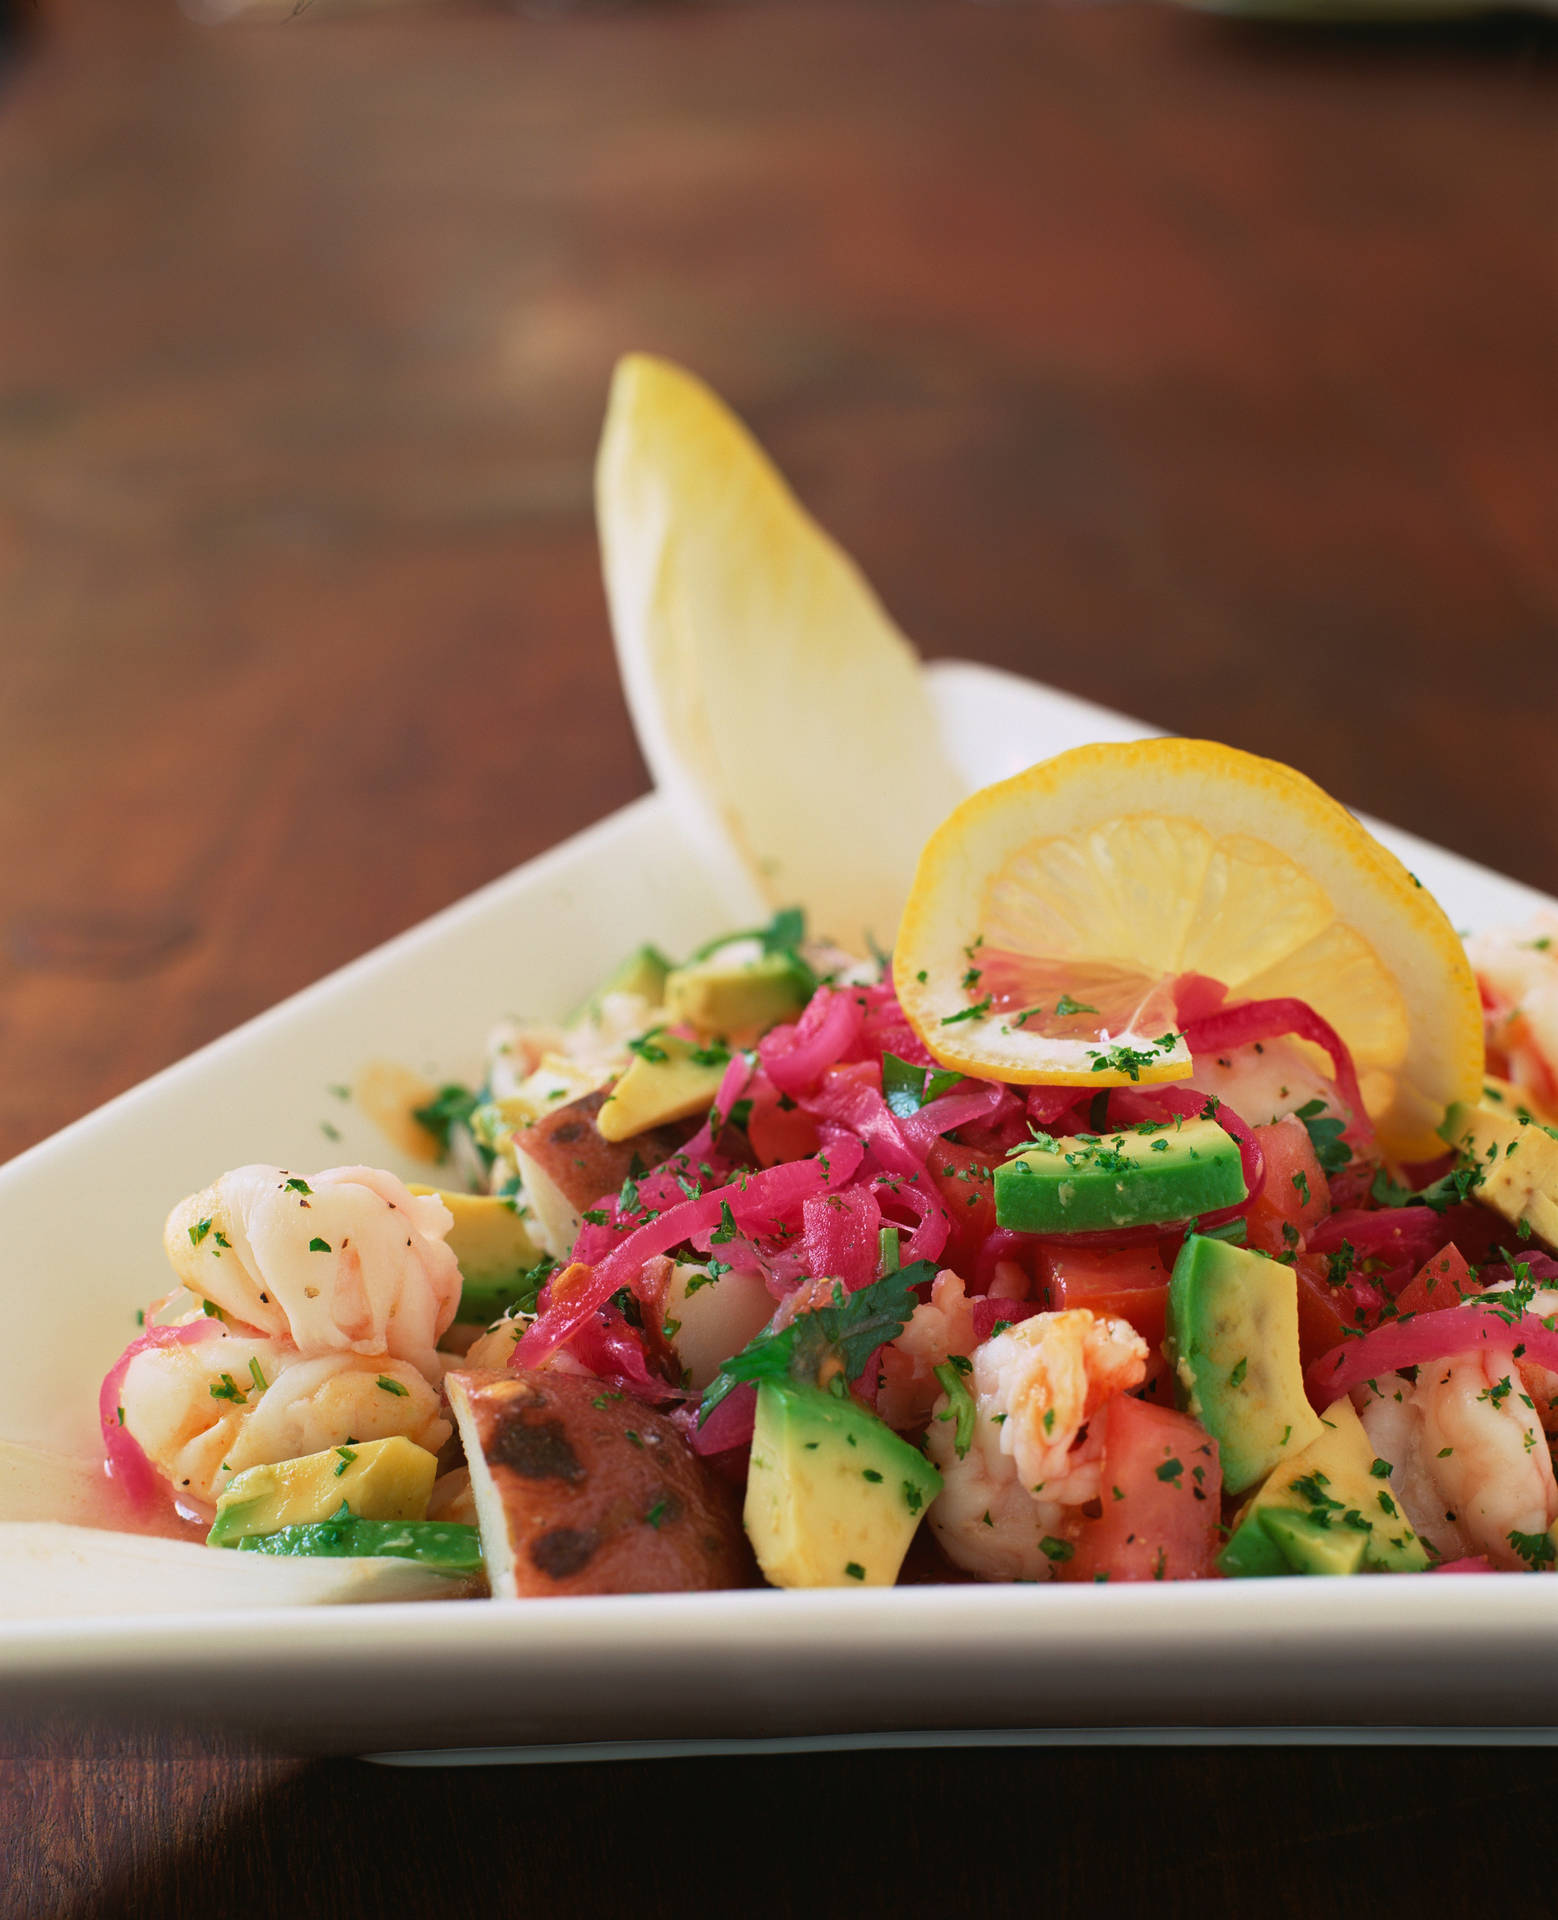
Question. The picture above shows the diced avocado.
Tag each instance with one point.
(495, 1251)
(833, 1494)
(1517, 1159)
(1136, 1177)
(643, 973)
(442, 1546)
(667, 1079)
(1309, 1547)
(1233, 1342)
(1333, 1484)
(377, 1479)
(738, 992)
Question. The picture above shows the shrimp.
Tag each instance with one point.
(1517, 970)
(937, 1329)
(1470, 1463)
(1028, 1466)
(342, 1261)
(1264, 1081)
(203, 1412)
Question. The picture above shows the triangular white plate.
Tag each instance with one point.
(80, 1223)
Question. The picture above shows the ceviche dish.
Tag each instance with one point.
(1156, 1186)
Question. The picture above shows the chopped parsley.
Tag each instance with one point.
(1536, 1549)
(392, 1386)
(316, 1245)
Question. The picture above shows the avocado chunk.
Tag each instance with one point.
(643, 973)
(833, 1495)
(1309, 1547)
(737, 992)
(1233, 1341)
(441, 1546)
(667, 1079)
(495, 1252)
(1136, 1177)
(378, 1480)
(1336, 1486)
(1516, 1157)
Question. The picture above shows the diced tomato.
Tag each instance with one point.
(1295, 1195)
(1324, 1311)
(1160, 1488)
(1129, 1282)
(779, 1132)
(1440, 1281)
(965, 1181)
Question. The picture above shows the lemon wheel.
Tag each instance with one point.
(1051, 915)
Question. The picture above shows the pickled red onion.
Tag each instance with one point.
(795, 1057)
(1255, 1020)
(774, 1193)
(988, 1314)
(1419, 1339)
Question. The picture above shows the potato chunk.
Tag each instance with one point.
(583, 1490)
(570, 1147)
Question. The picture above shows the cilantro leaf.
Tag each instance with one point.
(906, 1087)
(849, 1331)
(1325, 1132)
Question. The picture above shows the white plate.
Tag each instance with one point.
(80, 1225)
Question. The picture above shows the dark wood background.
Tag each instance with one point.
(1205, 369)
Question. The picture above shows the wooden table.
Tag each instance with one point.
(1202, 369)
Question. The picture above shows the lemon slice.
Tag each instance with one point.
(1051, 914)
(775, 702)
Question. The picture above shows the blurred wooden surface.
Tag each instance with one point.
(1204, 370)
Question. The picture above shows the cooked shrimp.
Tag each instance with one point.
(1471, 1465)
(1540, 1383)
(937, 1329)
(1265, 1080)
(206, 1411)
(1517, 970)
(342, 1261)
(1028, 1466)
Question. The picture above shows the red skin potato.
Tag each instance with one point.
(599, 1493)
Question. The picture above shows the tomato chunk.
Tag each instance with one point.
(1324, 1311)
(1160, 1489)
(1441, 1281)
(966, 1183)
(779, 1132)
(1295, 1195)
(1129, 1282)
